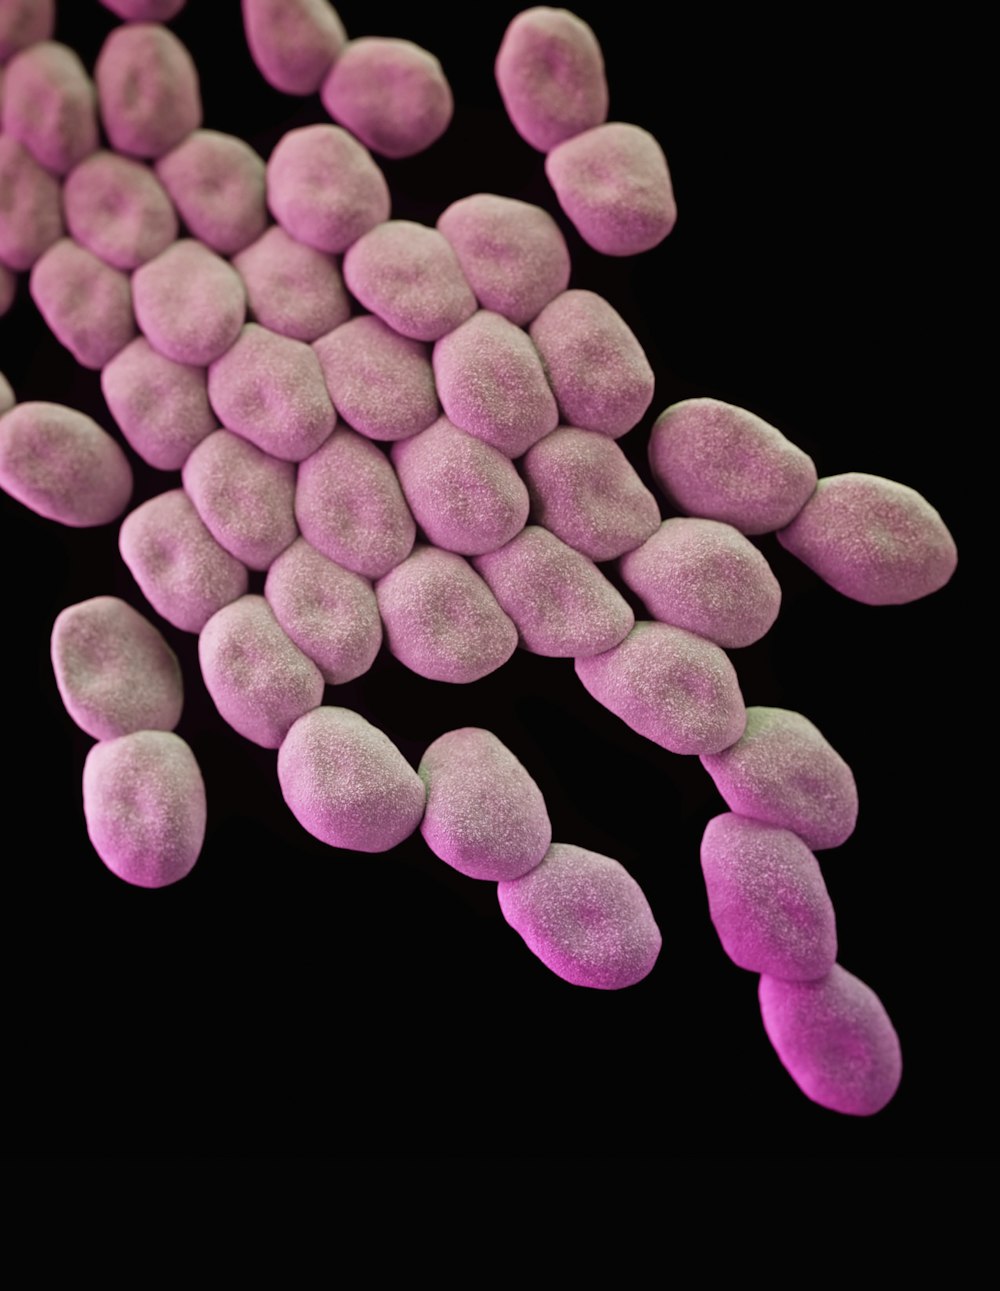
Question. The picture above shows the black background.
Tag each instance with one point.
(287, 997)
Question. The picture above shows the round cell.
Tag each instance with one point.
(30, 207)
(86, 303)
(217, 182)
(148, 90)
(293, 42)
(291, 288)
(119, 210)
(189, 302)
(50, 106)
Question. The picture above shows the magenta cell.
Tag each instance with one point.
(512, 253)
(671, 686)
(86, 303)
(8, 289)
(329, 612)
(148, 89)
(293, 42)
(145, 10)
(561, 603)
(835, 1040)
(324, 189)
(217, 182)
(410, 277)
(189, 302)
(767, 899)
(60, 464)
(115, 672)
(119, 210)
(485, 816)
(583, 488)
(347, 783)
(50, 106)
(30, 207)
(585, 918)
(783, 772)
(291, 288)
(144, 803)
(245, 497)
(706, 577)
(161, 407)
(180, 568)
(872, 539)
(466, 496)
(7, 397)
(441, 620)
(24, 23)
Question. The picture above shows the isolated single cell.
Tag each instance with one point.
(293, 42)
(161, 407)
(24, 23)
(217, 182)
(119, 210)
(86, 303)
(189, 302)
(30, 207)
(291, 288)
(148, 90)
(50, 106)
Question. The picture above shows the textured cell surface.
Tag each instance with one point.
(584, 489)
(148, 90)
(291, 288)
(8, 289)
(561, 603)
(62, 465)
(706, 577)
(715, 460)
(7, 398)
(466, 496)
(441, 620)
(485, 816)
(145, 10)
(329, 612)
(118, 209)
(30, 207)
(767, 899)
(161, 407)
(245, 497)
(180, 568)
(86, 303)
(217, 183)
(585, 918)
(872, 539)
(491, 383)
(50, 106)
(114, 671)
(409, 276)
(550, 73)
(324, 189)
(834, 1039)
(671, 686)
(347, 783)
(24, 23)
(144, 803)
(381, 383)
(269, 389)
(293, 42)
(189, 302)
(598, 370)
(259, 680)
(391, 93)
(513, 254)
(783, 772)
(349, 506)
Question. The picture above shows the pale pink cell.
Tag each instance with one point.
(86, 303)
(30, 207)
(180, 568)
(119, 210)
(873, 540)
(7, 396)
(291, 288)
(466, 496)
(512, 253)
(329, 612)
(671, 686)
(783, 772)
(148, 89)
(145, 807)
(324, 189)
(189, 302)
(485, 815)
(561, 603)
(347, 783)
(767, 899)
(349, 506)
(441, 620)
(217, 182)
(50, 106)
(60, 464)
(293, 42)
(161, 407)
(8, 289)
(409, 276)
(550, 73)
(24, 23)
(145, 10)
(491, 383)
(585, 918)
(115, 672)
(245, 497)
(835, 1039)
(721, 462)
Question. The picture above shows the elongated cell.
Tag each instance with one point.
(485, 816)
(24, 23)
(835, 1040)
(86, 303)
(145, 10)
(119, 210)
(8, 289)
(115, 672)
(347, 783)
(872, 539)
(50, 106)
(585, 918)
(161, 407)
(293, 42)
(60, 464)
(189, 303)
(144, 802)
(30, 207)
(783, 772)
(180, 568)
(148, 90)
(671, 686)
(217, 182)
(291, 288)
